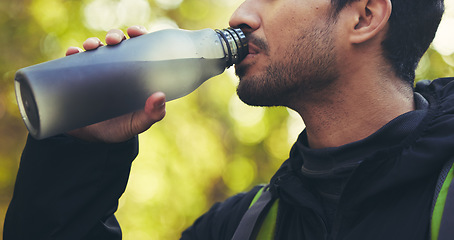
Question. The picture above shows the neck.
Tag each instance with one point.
(354, 109)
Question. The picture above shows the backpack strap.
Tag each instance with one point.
(259, 221)
(268, 228)
(442, 222)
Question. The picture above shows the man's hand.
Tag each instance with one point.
(127, 126)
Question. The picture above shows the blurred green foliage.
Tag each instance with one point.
(210, 144)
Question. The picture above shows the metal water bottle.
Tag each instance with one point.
(85, 88)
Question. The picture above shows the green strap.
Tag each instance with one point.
(440, 204)
(257, 196)
(268, 227)
(267, 230)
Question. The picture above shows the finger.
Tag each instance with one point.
(92, 43)
(135, 31)
(155, 105)
(73, 50)
(154, 111)
(115, 36)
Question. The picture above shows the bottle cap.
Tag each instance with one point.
(235, 44)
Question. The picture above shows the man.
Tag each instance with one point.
(365, 167)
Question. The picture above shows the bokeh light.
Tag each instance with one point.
(444, 39)
(209, 146)
(108, 14)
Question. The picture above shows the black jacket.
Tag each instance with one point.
(67, 189)
(388, 196)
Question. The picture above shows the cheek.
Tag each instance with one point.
(279, 27)
(284, 35)
(284, 46)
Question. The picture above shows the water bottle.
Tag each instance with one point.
(85, 88)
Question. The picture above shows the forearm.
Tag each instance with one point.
(68, 189)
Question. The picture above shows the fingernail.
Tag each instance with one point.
(143, 29)
(160, 103)
(140, 28)
(117, 36)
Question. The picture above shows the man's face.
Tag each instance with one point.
(291, 50)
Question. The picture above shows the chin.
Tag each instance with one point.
(240, 70)
(253, 92)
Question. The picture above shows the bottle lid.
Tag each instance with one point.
(235, 44)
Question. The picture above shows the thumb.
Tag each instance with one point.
(153, 112)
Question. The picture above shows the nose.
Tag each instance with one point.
(246, 17)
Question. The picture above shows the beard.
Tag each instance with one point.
(307, 67)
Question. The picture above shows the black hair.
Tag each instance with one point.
(412, 27)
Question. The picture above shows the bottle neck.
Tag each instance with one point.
(234, 43)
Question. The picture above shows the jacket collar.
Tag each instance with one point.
(421, 154)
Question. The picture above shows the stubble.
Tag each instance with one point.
(303, 70)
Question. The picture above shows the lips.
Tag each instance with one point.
(243, 67)
(253, 51)
(256, 46)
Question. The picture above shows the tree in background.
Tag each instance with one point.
(209, 146)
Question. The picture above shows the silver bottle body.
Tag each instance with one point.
(78, 90)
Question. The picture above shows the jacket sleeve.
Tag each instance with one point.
(69, 189)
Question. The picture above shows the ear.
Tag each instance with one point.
(370, 17)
